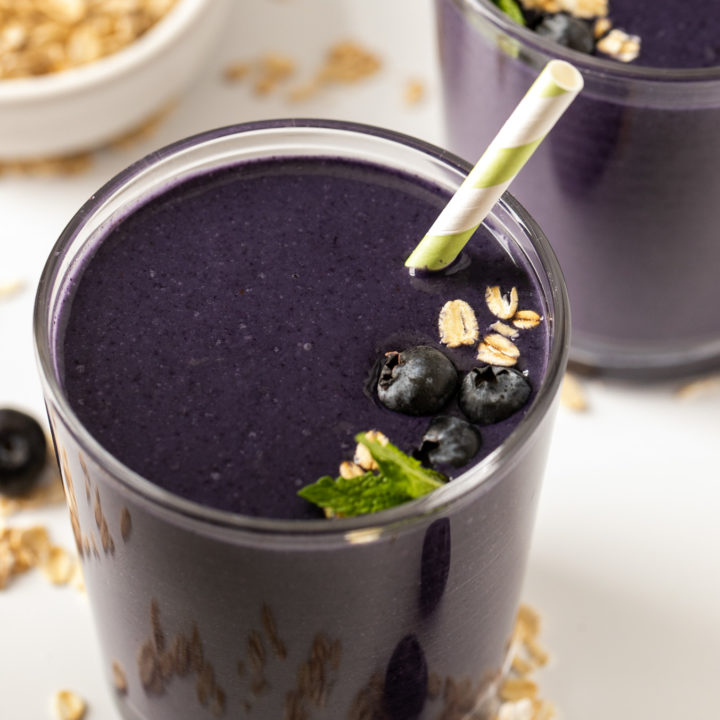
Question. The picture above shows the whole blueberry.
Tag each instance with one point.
(449, 441)
(490, 394)
(23, 451)
(416, 381)
(406, 680)
(569, 31)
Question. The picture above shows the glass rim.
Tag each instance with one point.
(604, 68)
(451, 493)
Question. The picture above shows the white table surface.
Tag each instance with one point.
(625, 564)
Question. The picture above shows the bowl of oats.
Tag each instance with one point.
(76, 74)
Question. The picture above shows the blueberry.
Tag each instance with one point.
(23, 451)
(406, 681)
(416, 381)
(490, 394)
(569, 31)
(449, 441)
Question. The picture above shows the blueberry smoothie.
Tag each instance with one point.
(621, 187)
(220, 335)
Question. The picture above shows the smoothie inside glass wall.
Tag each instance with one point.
(214, 332)
(623, 186)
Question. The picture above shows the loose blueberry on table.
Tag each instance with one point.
(23, 452)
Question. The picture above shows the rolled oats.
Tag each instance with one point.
(526, 319)
(39, 37)
(504, 329)
(457, 324)
(501, 306)
(496, 349)
(619, 45)
(572, 394)
(69, 705)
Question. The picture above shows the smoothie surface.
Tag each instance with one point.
(220, 340)
(673, 33)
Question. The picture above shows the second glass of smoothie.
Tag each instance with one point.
(623, 186)
(207, 330)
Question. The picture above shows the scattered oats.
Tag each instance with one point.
(350, 470)
(305, 91)
(273, 69)
(78, 579)
(518, 710)
(119, 678)
(68, 705)
(457, 324)
(538, 655)
(520, 665)
(517, 688)
(527, 622)
(496, 349)
(701, 388)
(348, 62)
(526, 319)
(501, 306)
(602, 27)
(572, 394)
(585, 8)
(414, 92)
(504, 329)
(237, 71)
(59, 566)
(10, 288)
(619, 45)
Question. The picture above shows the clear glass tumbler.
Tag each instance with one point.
(623, 187)
(201, 612)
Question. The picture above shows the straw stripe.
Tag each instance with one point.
(546, 100)
(502, 165)
(535, 120)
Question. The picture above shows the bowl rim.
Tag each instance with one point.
(178, 20)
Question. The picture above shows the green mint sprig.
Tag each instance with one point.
(511, 9)
(399, 478)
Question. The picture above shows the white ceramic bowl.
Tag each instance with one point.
(84, 107)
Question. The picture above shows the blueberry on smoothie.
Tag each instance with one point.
(449, 441)
(416, 381)
(22, 451)
(568, 31)
(490, 394)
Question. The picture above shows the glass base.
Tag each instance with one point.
(642, 363)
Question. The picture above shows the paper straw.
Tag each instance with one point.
(543, 105)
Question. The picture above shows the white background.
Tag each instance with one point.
(625, 565)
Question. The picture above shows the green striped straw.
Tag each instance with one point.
(546, 100)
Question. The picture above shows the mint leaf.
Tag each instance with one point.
(360, 495)
(403, 471)
(399, 478)
(511, 9)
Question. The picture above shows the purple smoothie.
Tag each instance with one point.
(203, 612)
(621, 186)
(261, 347)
